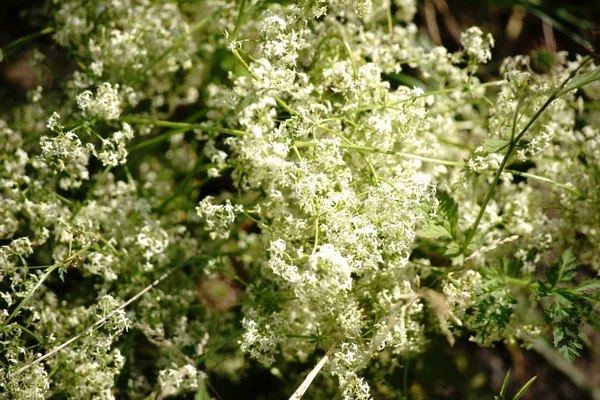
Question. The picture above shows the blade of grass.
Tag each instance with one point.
(524, 388)
(502, 394)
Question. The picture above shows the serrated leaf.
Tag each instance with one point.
(588, 285)
(458, 260)
(558, 335)
(448, 213)
(452, 250)
(566, 333)
(495, 145)
(569, 305)
(581, 80)
(432, 231)
(563, 269)
(571, 351)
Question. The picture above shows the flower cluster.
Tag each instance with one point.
(229, 180)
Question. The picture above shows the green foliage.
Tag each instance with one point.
(562, 271)
(494, 312)
(519, 394)
(209, 192)
(582, 79)
(495, 145)
(444, 224)
(568, 306)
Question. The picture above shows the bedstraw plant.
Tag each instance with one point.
(214, 182)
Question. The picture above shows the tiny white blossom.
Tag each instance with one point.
(105, 103)
(477, 45)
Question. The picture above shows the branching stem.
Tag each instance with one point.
(512, 145)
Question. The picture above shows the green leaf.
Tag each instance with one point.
(495, 145)
(524, 388)
(570, 352)
(566, 334)
(452, 250)
(588, 285)
(494, 311)
(448, 212)
(504, 386)
(458, 260)
(431, 231)
(581, 80)
(563, 270)
(202, 393)
(443, 225)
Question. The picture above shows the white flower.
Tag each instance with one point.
(218, 218)
(477, 45)
(104, 104)
(114, 150)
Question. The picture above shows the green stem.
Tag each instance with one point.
(183, 126)
(36, 266)
(346, 48)
(29, 295)
(426, 94)
(547, 180)
(155, 140)
(36, 337)
(138, 77)
(511, 147)
(245, 64)
(102, 320)
(444, 162)
(22, 40)
(523, 282)
(388, 152)
(350, 143)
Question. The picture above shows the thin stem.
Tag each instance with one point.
(138, 77)
(316, 244)
(515, 119)
(185, 126)
(388, 152)
(22, 40)
(103, 319)
(351, 143)
(256, 221)
(245, 64)
(156, 139)
(29, 295)
(35, 266)
(36, 337)
(522, 282)
(311, 375)
(547, 180)
(346, 47)
(444, 162)
(511, 147)
(426, 94)
(405, 379)
(455, 144)
(486, 200)
(388, 12)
